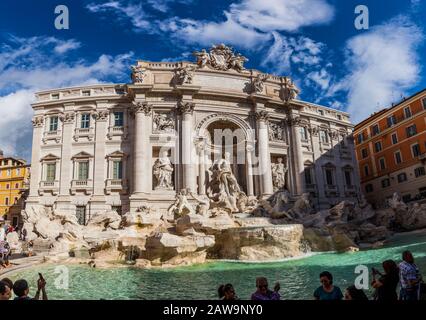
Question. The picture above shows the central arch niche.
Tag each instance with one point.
(225, 136)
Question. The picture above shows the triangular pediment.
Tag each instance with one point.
(49, 157)
(82, 155)
(116, 154)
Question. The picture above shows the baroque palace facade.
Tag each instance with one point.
(391, 151)
(123, 146)
(14, 184)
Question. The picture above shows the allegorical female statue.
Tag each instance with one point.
(163, 170)
(278, 174)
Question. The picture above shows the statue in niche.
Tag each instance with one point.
(163, 123)
(279, 171)
(163, 170)
(223, 187)
(259, 82)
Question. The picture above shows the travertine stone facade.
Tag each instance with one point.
(121, 146)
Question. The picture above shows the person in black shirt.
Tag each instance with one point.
(386, 285)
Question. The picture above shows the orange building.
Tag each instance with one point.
(14, 177)
(391, 151)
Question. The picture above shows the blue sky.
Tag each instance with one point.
(313, 41)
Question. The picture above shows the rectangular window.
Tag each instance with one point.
(398, 157)
(360, 138)
(420, 171)
(117, 173)
(407, 112)
(18, 172)
(402, 177)
(424, 103)
(16, 185)
(411, 131)
(6, 201)
(415, 148)
(375, 129)
(323, 136)
(339, 117)
(85, 121)
(348, 178)
(51, 172)
(321, 112)
(369, 188)
(7, 186)
(81, 215)
(385, 183)
(364, 153)
(394, 138)
(329, 176)
(83, 170)
(55, 96)
(303, 133)
(86, 93)
(118, 119)
(391, 121)
(9, 172)
(15, 201)
(378, 146)
(382, 163)
(366, 170)
(53, 124)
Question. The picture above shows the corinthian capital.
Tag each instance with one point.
(101, 115)
(38, 121)
(69, 117)
(185, 107)
(294, 121)
(262, 115)
(144, 107)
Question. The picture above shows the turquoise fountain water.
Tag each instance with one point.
(298, 278)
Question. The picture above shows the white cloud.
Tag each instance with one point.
(286, 51)
(281, 15)
(321, 78)
(164, 5)
(208, 33)
(33, 64)
(383, 64)
(65, 46)
(134, 12)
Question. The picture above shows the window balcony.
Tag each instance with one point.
(49, 187)
(85, 186)
(117, 131)
(350, 191)
(331, 190)
(52, 135)
(88, 133)
(116, 185)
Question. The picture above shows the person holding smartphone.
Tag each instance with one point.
(386, 284)
(22, 290)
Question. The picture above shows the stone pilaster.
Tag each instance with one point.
(38, 125)
(249, 170)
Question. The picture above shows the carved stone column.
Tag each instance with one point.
(142, 153)
(264, 153)
(296, 152)
(249, 170)
(186, 110)
(201, 168)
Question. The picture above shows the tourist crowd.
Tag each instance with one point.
(5, 249)
(385, 284)
(406, 275)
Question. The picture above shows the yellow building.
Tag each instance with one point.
(14, 184)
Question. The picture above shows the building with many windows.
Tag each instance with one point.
(391, 151)
(123, 146)
(14, 185)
